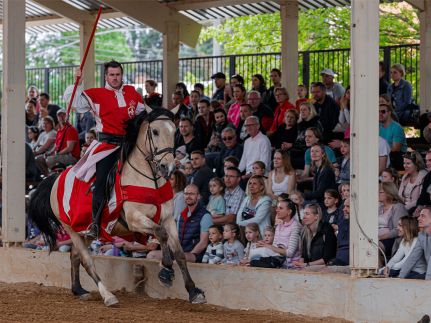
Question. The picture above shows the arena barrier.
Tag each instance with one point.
(307, 293)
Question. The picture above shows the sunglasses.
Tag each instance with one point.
(383, 111)
(227, 138)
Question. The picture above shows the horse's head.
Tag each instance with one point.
(156, 137)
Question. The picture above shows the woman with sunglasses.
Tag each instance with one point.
(318, 240)
(324, 175)
(411, 182)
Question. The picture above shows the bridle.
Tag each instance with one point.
(152, 158)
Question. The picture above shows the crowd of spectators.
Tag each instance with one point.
(262, 178)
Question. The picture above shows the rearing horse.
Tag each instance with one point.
(147, 159)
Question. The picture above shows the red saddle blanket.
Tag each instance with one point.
(74, 201)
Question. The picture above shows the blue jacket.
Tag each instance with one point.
(401, 95)
(189, 228)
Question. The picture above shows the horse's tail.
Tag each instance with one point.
(40, 211)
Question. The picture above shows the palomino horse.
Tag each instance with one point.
(146, 155)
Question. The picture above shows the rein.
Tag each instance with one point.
(154, 152)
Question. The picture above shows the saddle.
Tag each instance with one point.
(74, 199)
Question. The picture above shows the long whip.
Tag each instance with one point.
(81, 67)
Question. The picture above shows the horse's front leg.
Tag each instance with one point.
(88, 263)
(196, 295)
(138, 222)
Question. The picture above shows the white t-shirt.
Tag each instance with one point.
(384, 150)
(43, 138)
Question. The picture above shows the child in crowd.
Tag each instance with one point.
(390, 175)
(233, 249)
(332, 213)
(90, 136)
(343, 172)
(258, 168)
(298, 198)
(181, 157)
(268, 239)
(252, 236)
(214, 253)
(214, 143)
(188, 170)
(217, 204)
(344, 190)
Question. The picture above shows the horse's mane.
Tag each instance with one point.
(133, 126)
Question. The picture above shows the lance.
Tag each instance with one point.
(81, 67)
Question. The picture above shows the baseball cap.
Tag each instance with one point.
(182, 150)
(61, 111)
(327, 71)
(218, 75)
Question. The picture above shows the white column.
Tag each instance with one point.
(425, 54)
(289, 45)
(364, 136)
(89, 78)
(171, 45)
(13, 126)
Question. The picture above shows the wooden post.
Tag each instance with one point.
(13, 126)
(425, 54)
(364, 137)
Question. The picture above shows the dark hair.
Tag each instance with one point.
(219, 228)
(179, 93)
(382, 66)
(261, 80)
(260, 163)
(112, 64)
(215, 104)
(33, 101)
(241, 87)
(151, 82)
(231, 159)
(180, 180)
(187, 119)
(93, 132)
(276, 70)
(34, 130)
(44, 95)
(196, 92)
(290, 204)
(317, 133)
(246, 105)
(319, 84)
(205, 101)
(235, 169)
(334, 194)
(234, 228)
(238, 77)
(183, 88)
(198, 152)
(220, 110)
(199, 86)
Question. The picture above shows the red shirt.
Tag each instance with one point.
(110, 117)
(70, 134)
(279, 113)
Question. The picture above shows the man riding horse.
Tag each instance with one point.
(112, 107)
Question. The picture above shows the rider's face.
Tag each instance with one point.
(114, 77)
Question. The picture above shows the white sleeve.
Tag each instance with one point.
(80, 102)
(384, 149)
(266, 154)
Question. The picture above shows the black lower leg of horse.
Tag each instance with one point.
(166, 274)
(75, 261)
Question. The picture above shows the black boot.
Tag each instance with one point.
(96, 216)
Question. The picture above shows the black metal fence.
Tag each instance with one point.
(199, 69)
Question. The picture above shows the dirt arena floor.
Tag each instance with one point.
(34, 303)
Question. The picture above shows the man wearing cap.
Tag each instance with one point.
(333, 89)
(220, 82)
(112, 106)
(67, 148)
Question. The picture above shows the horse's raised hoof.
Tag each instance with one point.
(110, 301)
(197, 296)
(166, 276)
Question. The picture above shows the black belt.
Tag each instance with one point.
(110, 139)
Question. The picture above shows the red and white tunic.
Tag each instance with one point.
(112, 109)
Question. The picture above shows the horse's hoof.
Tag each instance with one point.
(84, 297)
(166, 276)
(110, 301)
(197, 296)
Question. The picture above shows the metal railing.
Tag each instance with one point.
(54, 80)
